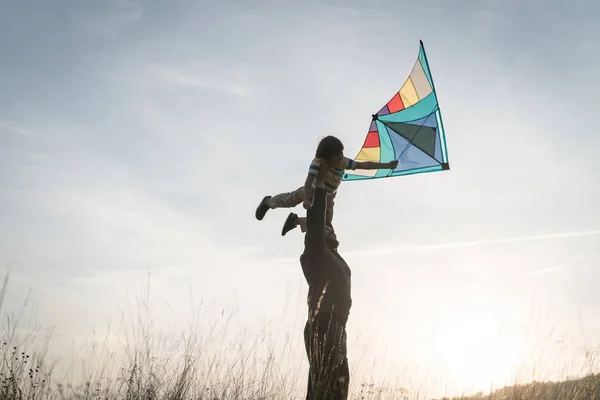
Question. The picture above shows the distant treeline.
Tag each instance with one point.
(586, 388)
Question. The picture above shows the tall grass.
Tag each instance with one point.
(204, 362)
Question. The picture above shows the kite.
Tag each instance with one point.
(408, 129)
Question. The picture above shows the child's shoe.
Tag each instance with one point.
(290, 223)
(262, 208)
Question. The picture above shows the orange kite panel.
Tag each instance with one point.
(395, 104)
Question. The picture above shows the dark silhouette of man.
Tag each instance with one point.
(329, 301)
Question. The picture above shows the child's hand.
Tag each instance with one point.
(307, 204)
(393, 164)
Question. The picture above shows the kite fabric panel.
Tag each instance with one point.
(408, 129)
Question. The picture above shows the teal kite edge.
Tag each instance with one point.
(417, 111)
(387, 152)
(438, 114)
(425, 65)
(442, 135)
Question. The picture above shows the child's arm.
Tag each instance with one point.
(308, 191)
(376, 165)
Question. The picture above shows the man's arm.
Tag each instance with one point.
(376, 165)
(308, 191)
(313, 172)
(315, 216)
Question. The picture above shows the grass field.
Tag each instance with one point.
(201, 364)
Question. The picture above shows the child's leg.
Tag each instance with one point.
(293, 220)
(282, 200)
(287, 200)
(302, 223)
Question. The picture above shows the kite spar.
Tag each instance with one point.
(408, 128)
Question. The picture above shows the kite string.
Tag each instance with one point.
(412, 138)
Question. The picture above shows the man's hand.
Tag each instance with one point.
(307, 204)
(392, 164)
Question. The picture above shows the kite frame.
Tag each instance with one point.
(444, 165)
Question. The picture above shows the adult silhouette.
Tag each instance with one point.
(329, 302)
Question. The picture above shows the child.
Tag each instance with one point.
(330, 151)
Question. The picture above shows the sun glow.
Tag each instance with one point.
(477, 352)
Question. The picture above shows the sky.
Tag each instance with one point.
(138, 137)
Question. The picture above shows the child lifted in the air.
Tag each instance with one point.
(330, 151)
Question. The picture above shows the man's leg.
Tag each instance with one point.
(281, 200)
(344, 373)
(325, 342)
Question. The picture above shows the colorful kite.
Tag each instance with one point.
(408, 129)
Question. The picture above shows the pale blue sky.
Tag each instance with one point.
(140, 136)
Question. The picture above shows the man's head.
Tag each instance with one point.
(330, 149)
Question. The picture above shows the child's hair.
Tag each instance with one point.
(328, 147)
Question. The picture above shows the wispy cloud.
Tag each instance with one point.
(11, 127)
(441, 246)
(170, 75)
(110, 19)
(545, 270)
(223, 81)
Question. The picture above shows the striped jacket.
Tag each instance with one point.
(336, 172)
